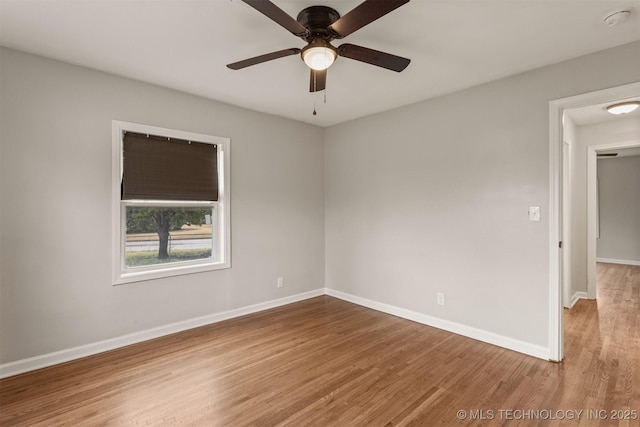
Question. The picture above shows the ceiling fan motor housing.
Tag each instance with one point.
(317, 20)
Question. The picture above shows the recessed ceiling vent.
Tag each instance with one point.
(616, 17)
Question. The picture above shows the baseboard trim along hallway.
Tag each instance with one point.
(618, 261)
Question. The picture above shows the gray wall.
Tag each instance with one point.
(55, 275)
(619, 200)
(433, 197)
(428, 198)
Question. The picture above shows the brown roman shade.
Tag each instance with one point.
(161, 168)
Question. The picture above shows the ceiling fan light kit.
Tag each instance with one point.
(623, 107)
(318, 26)
(319, 54)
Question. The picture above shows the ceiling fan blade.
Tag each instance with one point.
(364, 14)
(318, 80)
(263, 58)
(277, 15)
(373, 57)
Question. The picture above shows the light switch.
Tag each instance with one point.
(534, 213)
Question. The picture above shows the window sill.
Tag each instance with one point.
(159, 273)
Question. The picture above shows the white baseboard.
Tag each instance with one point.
(577, 296)
(42, 361)
(456, 328)
(618, 261)
(49, 359)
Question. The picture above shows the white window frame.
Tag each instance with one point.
(220, 221)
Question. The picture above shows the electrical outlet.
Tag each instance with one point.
(440, 296)
(281, 282)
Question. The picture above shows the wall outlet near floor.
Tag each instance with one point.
(281, 282)
(440, 296)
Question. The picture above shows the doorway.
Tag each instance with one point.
(557, 262)
(592, 208)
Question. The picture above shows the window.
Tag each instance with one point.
(170, 202)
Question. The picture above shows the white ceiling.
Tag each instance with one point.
(598, 113)
(185, 45)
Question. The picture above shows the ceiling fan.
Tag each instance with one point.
(318, 26)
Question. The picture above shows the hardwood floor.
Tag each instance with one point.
(326, 362)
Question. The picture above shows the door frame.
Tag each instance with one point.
(556, 108)
(567, 197)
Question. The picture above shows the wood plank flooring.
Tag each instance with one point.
(326, 362)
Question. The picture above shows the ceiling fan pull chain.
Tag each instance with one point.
(315, 85)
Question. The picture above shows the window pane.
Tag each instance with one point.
(160, 235)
